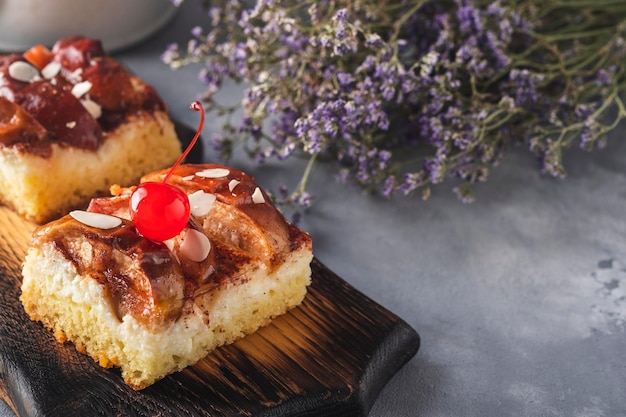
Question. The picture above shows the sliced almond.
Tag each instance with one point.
(92, 107)
(170, 244)
(99, 220)
(213, 173)
(201, 202)
(23, 71)
(232, 184)
(196, 246)
(51, 70)
(257, 196)
(81, 88)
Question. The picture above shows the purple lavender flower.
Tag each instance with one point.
(464, 193)
(171, 54)
(411, 182)
(389, 186)
(526, 85)
(604, 77)
(374, 41)
(469, 17)
(344, 79)
(401, 107)
(197, 31)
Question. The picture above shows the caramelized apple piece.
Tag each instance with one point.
(115, 206)
(16, 125)
(140, 276)
(67, 120)
(39, 56)
(76, 52)
(103, 74)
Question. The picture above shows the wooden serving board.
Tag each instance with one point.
(328, 357)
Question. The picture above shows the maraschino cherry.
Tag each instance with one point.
(159, 210)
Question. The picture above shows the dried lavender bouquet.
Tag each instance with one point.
(404, 94)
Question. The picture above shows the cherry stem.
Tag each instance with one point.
(195, 106)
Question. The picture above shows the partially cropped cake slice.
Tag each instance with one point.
(73, 122)
(154, 308)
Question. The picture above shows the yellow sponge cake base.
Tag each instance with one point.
(41, 188)
(75, 308)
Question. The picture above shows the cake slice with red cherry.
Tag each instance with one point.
(73, 122)
(156, 276)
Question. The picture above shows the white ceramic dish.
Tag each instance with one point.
(118, 23)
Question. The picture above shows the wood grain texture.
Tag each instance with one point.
(330, 356)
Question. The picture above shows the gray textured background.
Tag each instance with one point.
(519, 298)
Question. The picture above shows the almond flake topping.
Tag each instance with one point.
(213, 173)
(232, 184)
(81, 88)
(187, 178)
(99, 220)
(195, 246)
(23, 71)
(70, 125)
(257, 196)
(200, 203)
(92, 107)
(170, 244)
(51, 70)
